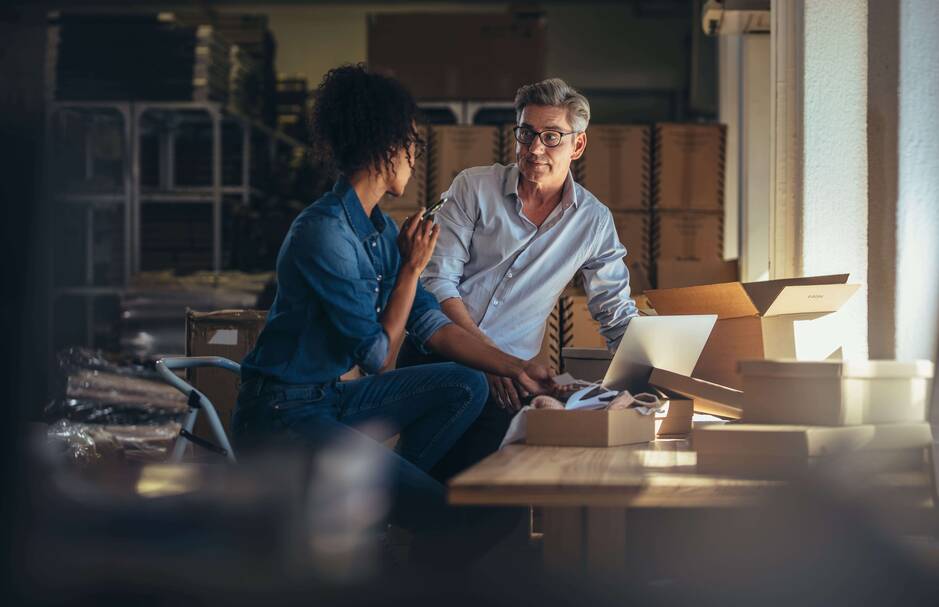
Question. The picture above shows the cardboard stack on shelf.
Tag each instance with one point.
(452, 149)
(160, 59)
(688, 201)
(616, 169)
(253, 80)
(557, 335)
(292, 111)
(449, 150)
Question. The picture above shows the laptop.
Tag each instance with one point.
(673, 343)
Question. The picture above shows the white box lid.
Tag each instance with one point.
(863, 369)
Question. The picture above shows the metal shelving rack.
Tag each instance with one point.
(132, 195)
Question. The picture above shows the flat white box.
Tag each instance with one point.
(835, 393)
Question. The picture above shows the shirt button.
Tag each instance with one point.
(509, 275)
(495, 302)
(376, 289)
(374, 243)
(379, 277)
(377, 310)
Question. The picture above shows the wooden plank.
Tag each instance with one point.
(660, 474)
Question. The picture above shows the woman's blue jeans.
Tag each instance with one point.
(430, 406)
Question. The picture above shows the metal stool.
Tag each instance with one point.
(197, 402)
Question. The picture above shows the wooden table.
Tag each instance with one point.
(586, 491)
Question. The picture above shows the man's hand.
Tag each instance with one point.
(534, 378)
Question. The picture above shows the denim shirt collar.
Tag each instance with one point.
(364, 226)
(510, 188)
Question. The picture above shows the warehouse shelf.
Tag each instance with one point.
(89, 290)
(196, 194)
(122, 206)
(170, 114)
(463, 112)
(91, 198)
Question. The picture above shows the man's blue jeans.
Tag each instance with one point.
(430, 406)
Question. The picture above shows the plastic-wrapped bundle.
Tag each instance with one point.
(96, 390)
(106, 409)
(87, 443)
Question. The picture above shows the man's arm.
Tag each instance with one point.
(458, 344)
(457, 221)
(606, 281)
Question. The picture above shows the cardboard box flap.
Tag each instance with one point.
(692, 387)
(226, 316)
(859, 369)
(727, 300)
(763, 294)
(811, 299)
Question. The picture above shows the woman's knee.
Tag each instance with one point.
(475, 383)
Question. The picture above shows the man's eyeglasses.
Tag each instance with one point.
(550, 139)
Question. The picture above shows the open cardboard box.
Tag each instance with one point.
(590, 364)
(771, 319)
(588, 428)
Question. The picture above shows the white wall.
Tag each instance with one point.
(917, 294)
(755, 158)
(729, 59)
(834, 211)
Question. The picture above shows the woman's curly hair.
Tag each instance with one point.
(361, 120)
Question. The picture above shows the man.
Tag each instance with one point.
(511, 238)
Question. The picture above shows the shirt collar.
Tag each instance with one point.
(568, 197)
(363, 225)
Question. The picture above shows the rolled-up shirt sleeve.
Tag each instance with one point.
(606, 281)
(326, 260)
(457, 219)
(425, 318)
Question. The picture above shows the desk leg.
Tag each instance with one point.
(563, 543)
(605, 545)
(578, 539)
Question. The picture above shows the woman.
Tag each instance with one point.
(347, 291)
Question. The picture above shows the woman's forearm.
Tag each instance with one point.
(395, 316)
(456, 343)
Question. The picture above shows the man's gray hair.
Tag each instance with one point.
(556, 93)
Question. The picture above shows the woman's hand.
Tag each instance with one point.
(416, 242)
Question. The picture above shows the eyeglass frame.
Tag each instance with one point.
(538, 135)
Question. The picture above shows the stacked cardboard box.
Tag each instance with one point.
(688, 200)
(616, 169)
(771, 319)
(507, 144)
(292, 96)
(451, 149)
(558, 334)
(230, 334)
(801, 415)
(182, 63)
(427, 52)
